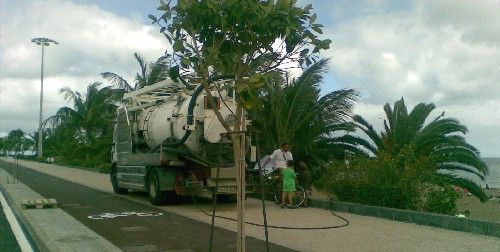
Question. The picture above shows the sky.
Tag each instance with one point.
(443, 52)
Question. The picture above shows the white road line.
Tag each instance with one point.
(15, 227)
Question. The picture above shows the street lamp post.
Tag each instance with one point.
(43, 42)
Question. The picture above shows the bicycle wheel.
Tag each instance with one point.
(298, 198)
(277, 195)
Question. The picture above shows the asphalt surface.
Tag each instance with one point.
(8, 241)
(133, 226)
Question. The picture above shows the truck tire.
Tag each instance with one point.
(114, 181)
(156, 196)
(172, 197)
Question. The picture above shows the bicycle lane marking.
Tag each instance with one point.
(103, 216)
(22, 241)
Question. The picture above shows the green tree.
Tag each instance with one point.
(240, 40)
(17, 141)
(28, 144)
(440, 140)
(314, 125)
(235, 38)
(90, 118)
(149, 74)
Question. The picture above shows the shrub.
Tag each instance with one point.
(382, 181)
(442, 200)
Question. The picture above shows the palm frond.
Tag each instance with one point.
(473, 188)
(356, 142)
(338, 105)
(368, 129)
(417, 117)
(459, 155)
(455, 166)
(68, 94)
(390, 117)
(117, 81)
(142, 64)
(400, 125)
(443, 127)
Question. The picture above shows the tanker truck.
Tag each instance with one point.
(167, 142)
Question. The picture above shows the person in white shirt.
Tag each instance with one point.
(280, 157)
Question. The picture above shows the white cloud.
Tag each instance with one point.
(445, 52)
(91, 41)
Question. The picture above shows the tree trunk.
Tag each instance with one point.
(238, 139)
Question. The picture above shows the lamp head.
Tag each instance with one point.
(44, 41)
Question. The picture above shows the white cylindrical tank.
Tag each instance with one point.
(169, 119)
(153, 122)
(166, 120)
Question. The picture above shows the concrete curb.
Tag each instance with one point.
(51, 229)
(33, 239)
(422, 218)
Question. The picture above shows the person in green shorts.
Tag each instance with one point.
(289, 178)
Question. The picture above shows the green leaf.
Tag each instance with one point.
(186, 61)
(178, 46)
(309, 34)
(317, 29)
(308, 62)
(325, 44)
(308, 7)
(194, 59)
(173, 73)
(153, 18)
(313, 18)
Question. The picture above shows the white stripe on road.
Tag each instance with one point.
(15, 227)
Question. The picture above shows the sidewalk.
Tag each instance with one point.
(363, 234)
(51, 229)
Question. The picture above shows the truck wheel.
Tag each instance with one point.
(156, 197)
(114, 181)
(172, 197)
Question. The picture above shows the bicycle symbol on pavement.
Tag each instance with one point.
(103, 216)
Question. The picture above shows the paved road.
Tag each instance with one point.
(8, 241)
(132, 233)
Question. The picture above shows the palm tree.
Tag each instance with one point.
(296, 113)
(150, 73)
(91, 114)
(28, 144)
(16, 141)
(440, 141)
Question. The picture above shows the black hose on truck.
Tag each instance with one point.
(192, 104)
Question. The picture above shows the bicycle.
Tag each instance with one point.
(273, 186)
(297, 199)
